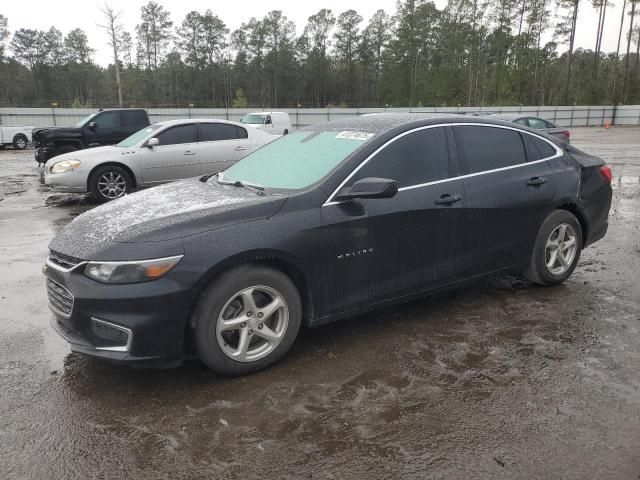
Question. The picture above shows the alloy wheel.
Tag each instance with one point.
(21, 143)
(561, 249)
(112, 185)
(252, 323)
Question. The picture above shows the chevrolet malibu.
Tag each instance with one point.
(325, 223)
(159, 153)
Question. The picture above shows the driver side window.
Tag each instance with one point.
(418, 157)
(107, 120)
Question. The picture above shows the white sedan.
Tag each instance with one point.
(159, 153)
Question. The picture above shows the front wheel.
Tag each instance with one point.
(20, 142)
(246, 320)
(557, 249)
(110, 182)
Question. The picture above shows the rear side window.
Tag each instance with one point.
(177, 135)
(419, 157)
(211, 132)
(489, 148)
(538, 123)
(134, 118)
(538, 148)
(242, 132)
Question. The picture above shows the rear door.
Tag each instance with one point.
(221, 145)
(175, 157)
(415, 235)
(507, 196)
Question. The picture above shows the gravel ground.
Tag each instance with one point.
(500, 380)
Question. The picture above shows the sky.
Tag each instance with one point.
(42, 14)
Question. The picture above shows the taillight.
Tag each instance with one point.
(567, 133)
(606, 173)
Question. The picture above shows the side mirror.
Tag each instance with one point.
(93, 126)
(371, 187)
(267, 121)
(153, 142)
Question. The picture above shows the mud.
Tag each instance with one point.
(501, 380)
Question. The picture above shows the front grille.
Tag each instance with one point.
(64, 261)
(60, 298)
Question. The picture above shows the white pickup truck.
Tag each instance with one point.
(18, 137)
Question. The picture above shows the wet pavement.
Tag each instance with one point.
(500, 380)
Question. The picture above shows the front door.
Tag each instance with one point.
(415, 235)
(221, 145)
(108, 129)
(175, 157)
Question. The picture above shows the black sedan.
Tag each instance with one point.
(535, 123)
(325, 223)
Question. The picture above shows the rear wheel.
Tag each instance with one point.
(557, 249)
(110, 182)
(20, 142)
(246, 320)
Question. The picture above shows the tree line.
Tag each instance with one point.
(471, 52)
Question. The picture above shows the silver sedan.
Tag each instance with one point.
(159, 153)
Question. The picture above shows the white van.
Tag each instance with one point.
(276, 123)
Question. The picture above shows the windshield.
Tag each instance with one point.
(138, 136)
(253, 119)
(82, 122)
(295, 161)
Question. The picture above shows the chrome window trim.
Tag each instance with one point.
(558, 153)
(122, 348)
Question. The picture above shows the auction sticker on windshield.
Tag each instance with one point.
(364, 136)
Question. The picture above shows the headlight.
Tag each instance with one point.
(65, 166)
(131, 272)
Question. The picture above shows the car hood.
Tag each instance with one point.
(44, 130)
(93, 153)
(163, 213)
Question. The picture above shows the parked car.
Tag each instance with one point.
(159, 153)
(535, 123)
(276, 123)
(17, 137)
(106, 127)
(328, 222)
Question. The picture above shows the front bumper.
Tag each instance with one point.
(144, 323)
(67, 182)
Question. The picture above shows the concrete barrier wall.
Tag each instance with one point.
(564, 116)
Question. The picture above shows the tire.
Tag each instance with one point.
(285, 131)
(545, 268)
(216, 345)
(20, 142)
(110, 182)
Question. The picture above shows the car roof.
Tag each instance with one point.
(378, 123)
(180, 121)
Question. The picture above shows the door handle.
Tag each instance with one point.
(448, 199)
(240, 149)
(535, 181)
(189, 152)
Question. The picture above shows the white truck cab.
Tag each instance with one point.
(18, 137)
(276, 123)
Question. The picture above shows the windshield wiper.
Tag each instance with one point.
(258, 189)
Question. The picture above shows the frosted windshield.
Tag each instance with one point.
(294, 161)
